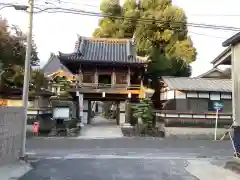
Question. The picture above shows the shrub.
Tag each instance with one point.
(143, 110)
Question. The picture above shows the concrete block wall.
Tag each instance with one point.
(11, 129)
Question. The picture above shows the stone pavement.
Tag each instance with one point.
(14, 171)
(101, 128)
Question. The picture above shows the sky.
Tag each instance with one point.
(54, 32)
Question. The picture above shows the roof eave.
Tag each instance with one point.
(197, 90)
(210, 71)
(221, 57)
(67, 60)
(232, 40)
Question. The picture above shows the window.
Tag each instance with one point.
(197, 105)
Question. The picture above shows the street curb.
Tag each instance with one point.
(233, 165)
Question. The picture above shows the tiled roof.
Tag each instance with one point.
(103, 50)
(206, 74)
(223, 59)
(198, 84)
(235, 39)
(53, 65)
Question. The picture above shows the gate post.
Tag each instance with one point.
(118, 113)
(89, 114)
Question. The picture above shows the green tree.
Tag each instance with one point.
(160, 31)
(12, 55)
(143, 110)
(64, 85)
(39, 80)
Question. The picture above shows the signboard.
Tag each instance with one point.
(3, 102)
(215, 106)
(61, 113)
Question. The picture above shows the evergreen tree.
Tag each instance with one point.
(160, 30)
(12, 55)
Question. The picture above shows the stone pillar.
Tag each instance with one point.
(234, 42)
(122, 112)
(58, 89)
(118, 113)
(89, 115)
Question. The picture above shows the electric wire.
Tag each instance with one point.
(142, 20)
(145, 20)
(77, 3)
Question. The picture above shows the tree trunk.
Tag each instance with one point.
(156, 98)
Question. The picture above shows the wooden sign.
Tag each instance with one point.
(3, 102)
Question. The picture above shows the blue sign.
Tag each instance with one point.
(215, 106)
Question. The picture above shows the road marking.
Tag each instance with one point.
(30, 153)
(85, 156)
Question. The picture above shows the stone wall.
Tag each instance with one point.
(11, 127)
(195, 133)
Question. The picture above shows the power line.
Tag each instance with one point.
(91, 5)
(216, 15)
(74, 3)
(144, 20)
(207, 35)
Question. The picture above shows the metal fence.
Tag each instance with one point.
(11, 128)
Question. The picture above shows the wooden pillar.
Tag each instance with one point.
(96, 76)
(80, 76)
(127, 111)
(118, 113)
(129, 77)
(96, 108)
(77, 109)
(89, 115)
(113, 78)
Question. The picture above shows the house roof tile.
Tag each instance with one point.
(198, 84)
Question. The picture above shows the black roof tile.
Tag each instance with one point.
(103, 50)
(54, 65)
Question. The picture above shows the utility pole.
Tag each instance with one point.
(27, 75)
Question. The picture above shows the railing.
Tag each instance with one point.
(102, 85)
(39, 108)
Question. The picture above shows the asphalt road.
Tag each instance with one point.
(127, 158)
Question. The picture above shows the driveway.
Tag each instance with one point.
(101, 128)
(129, 158)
